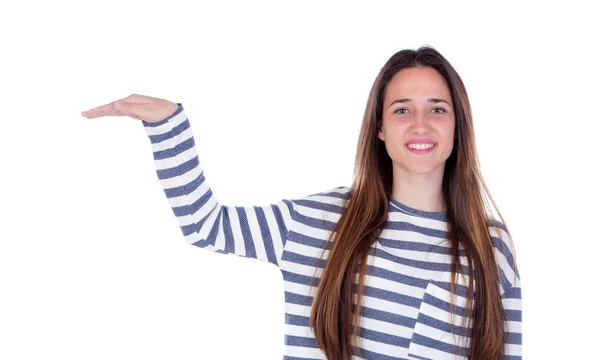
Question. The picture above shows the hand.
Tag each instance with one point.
(145, 108)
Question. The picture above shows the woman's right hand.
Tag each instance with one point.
(145, 108)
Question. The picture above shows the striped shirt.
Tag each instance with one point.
(405, 304)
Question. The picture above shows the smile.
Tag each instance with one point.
(421, 148)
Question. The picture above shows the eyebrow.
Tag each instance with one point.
(431, 100)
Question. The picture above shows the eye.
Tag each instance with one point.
(438, 108)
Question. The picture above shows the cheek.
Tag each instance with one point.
(448, 130)
(449, 135)
(395, 129)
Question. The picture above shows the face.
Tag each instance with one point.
(419, 99)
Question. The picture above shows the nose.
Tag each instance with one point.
(420, 124)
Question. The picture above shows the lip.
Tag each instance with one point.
(420, 141)
(424, 151)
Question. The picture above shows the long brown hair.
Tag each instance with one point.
(366, 211)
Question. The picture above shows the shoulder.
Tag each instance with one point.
(336, 196)
(329, 203)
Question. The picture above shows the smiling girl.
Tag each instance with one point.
(406, 263)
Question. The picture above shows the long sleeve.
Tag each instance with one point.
(511, 301)
(256, 232)
(510, 285)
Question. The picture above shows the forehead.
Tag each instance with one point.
(418, 84)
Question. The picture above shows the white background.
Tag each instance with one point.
(92, 261)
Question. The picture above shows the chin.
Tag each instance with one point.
(423, 169)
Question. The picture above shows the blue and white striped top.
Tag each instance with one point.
(405, 303)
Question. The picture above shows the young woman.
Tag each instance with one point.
(406, 263)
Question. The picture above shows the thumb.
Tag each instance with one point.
(123, 106)
(127, 108)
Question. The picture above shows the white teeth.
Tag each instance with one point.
(420, 146)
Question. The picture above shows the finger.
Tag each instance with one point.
(104, 110)
(112, 108)
(93, 116)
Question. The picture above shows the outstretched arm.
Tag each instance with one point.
(254, 231)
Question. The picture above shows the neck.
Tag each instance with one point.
(419, 191)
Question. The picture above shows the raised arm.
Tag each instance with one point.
(256, 232)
